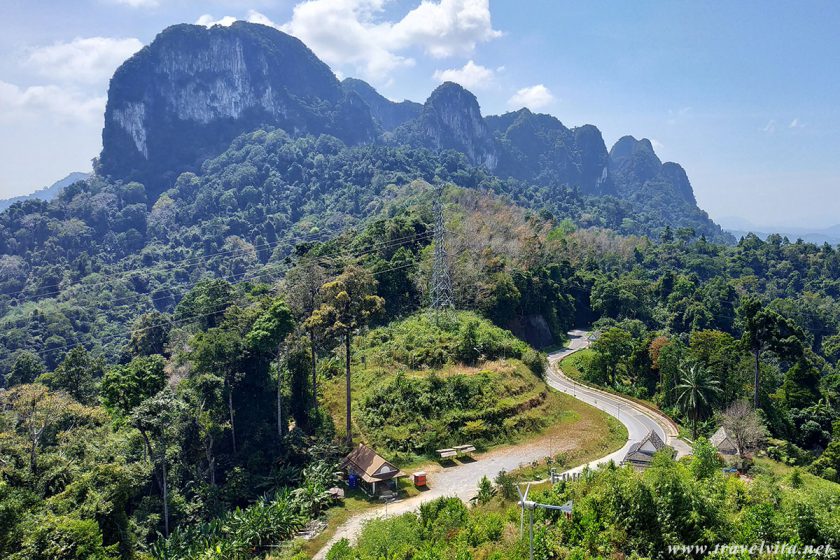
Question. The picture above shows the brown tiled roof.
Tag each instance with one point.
(370, 466)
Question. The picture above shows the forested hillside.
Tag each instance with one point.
(177, 352)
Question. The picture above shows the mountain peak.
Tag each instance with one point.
(451, 120)
(628, 146)
(184, 97)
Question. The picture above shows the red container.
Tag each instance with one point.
(419, 478)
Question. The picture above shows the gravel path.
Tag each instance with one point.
(462, 480)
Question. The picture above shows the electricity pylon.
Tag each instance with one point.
(441, 285)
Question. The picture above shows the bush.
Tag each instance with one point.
(536, 361)
(65, 538)
(506, 485)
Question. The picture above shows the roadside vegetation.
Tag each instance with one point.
(617, 511)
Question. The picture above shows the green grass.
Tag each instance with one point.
(573, 363)
(810, 482)
(412, 393)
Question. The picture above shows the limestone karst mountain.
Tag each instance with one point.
(182, 100)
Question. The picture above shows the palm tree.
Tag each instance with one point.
(695, 392)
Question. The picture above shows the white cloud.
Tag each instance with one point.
(471, 75)
(657, 145)
(138, 3)
(256, 17)
(350, 32)
(343, 32)
(770, 127)
(208, 21)
(65, 104)
(796, 123)
(534, 97)
(445, 28)
(253, 16)
(90, 60)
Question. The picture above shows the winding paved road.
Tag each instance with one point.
(462, 480)
(638, 419)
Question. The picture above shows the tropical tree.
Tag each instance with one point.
(302, 285)
(268, 334)
(694, 392)
(612, 349)
(220, 349)
(149, 334)
(77, 375)
(764, 329)
(205, 394)
(37, 410)
(126, 386)
(159, 420)
(26, 368)
(349, 302)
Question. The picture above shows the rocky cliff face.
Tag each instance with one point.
(537, 147)
(451, 120)
(184, 97)
(636, 168)
(388, 114)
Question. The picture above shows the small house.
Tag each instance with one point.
(640, 454)
(372, 472)
(723, 442)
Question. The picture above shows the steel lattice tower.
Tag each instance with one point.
(441, 287)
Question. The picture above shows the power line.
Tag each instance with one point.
(258, 273)
(186, 320)
(380, 246)
(166, 267)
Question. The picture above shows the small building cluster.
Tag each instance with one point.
(640, 455)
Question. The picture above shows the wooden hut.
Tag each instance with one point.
(374, 473)
(723, 442)
(640, 454)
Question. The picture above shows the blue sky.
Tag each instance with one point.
(745, 95)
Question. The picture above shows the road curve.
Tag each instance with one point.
(462, 480)
(638, 419)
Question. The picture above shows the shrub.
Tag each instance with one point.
(485, 491)
(506, 485)
(65, 538)
(535, 361)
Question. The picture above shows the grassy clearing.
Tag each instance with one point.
(810, 483)
(580, 434)
(419, 385)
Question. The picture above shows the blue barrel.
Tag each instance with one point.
(353, 481)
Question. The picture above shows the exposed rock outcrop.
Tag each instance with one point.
(184, 97)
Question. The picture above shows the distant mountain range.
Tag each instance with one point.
(185, 97)
(47, 193)
(740, 227)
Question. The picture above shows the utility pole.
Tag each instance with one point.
(441, 285)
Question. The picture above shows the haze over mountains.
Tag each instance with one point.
(47, 193)
(187, 95)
